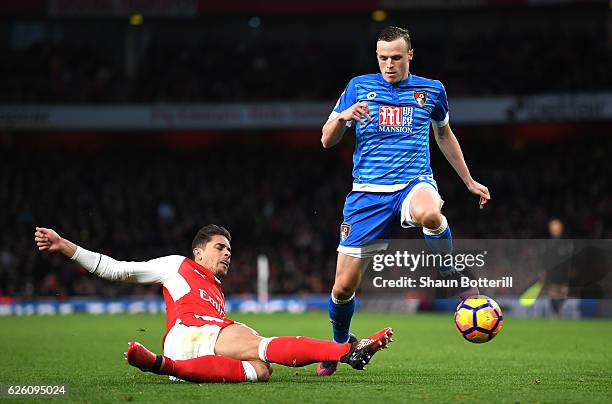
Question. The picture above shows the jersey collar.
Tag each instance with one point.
(402, 84)
(207, 271)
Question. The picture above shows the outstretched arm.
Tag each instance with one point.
(153, 271)
(49, 240)
(452, 151)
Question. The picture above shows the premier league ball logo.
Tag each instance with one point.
(420, 97)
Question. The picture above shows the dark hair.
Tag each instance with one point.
(205, 233)
(389, 34)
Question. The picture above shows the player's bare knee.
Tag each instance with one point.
(342, 292)
(263, 376)
(263, 370)
(431, 219)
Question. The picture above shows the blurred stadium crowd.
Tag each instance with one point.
(137, 203)
(180, 72)
(497, 51)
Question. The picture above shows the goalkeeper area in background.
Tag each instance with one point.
(533, 360)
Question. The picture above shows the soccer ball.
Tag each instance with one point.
(478, 318)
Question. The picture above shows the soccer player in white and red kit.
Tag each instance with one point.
(201, 344)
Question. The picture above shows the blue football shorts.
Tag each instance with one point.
(368, 217)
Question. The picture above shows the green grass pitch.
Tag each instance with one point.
(535, 360)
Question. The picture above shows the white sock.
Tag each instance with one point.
(338, 301)
(263, 347)
(249, 371)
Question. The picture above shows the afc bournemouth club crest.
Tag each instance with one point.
(420, 97)
(345, 230)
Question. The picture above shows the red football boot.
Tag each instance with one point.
(140, 357)
(362, 351)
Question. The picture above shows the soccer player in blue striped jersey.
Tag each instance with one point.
(391, 113)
